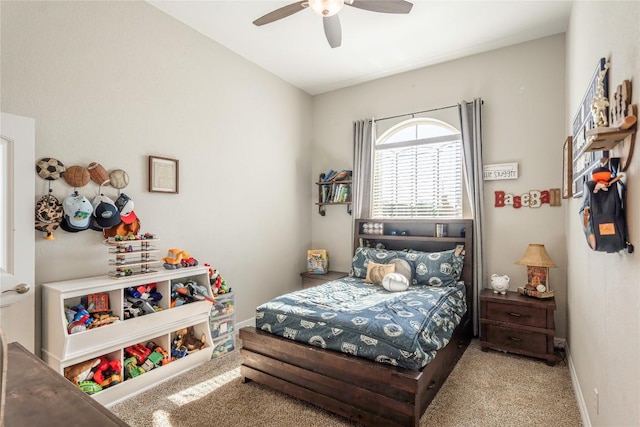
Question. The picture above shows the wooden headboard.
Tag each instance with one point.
(420, 235)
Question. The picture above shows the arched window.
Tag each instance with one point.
(417, 171)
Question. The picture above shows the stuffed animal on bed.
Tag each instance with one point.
(376, 272)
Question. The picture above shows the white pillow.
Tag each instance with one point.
(395, 282)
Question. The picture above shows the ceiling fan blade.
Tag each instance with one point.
(332, 30)
(283, 12)
(384, 6)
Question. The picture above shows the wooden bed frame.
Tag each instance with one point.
(364, 391)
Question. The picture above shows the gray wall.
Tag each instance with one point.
(604, 297)
(523, 87)
(114, 82)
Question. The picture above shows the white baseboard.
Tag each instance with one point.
(582, 406)
(248, 322)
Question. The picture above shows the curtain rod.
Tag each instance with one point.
(416, 112)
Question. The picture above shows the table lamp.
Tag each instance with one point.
(538, 262)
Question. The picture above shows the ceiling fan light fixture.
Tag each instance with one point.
(326, 7)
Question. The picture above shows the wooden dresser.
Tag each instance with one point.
(518, 324)
(309, 280)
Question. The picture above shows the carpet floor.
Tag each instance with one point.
(484, 389)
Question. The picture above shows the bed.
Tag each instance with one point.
(381, 388)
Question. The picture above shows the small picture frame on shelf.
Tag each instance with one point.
(163, 175)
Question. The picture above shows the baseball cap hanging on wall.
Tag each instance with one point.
(77, 213)
(130, 224)
(125, 207)
(105, 213)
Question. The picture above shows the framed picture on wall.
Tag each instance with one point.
(163, 175)
(567, 173)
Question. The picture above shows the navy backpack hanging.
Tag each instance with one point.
(602, 213)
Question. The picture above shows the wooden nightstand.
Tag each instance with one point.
(517, 324)
(309, 280)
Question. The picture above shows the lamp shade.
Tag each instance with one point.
(536, 256)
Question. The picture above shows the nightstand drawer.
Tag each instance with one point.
(519, 314)
(517, 340)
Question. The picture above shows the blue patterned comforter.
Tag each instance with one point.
(348, 315)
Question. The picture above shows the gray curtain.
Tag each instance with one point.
(471, 128)
(363, 140)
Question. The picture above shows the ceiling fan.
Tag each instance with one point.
(328, 10)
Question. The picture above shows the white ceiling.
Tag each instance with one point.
(374, 44)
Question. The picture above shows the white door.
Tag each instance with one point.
(17, 216)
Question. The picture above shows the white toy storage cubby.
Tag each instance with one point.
(61, 348)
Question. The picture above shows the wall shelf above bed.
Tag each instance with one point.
(390, 230)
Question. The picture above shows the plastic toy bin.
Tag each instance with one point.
(224, 346)
(222, 307)
(220, 327)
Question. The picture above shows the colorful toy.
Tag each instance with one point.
(602, 177)
(174, 258)
(131, 368)
(184, 293)
(189, 262)
(96, 302)
(130, 311)
(80, 371)
(218, 284)
(197, 291)
(138, 351)
(81, 320)
(101, 319)
(177, 258)
(90, 387)
(177, 353)
(141, 304)
(145, 292)
(108, 372)
(153, 360)
(166, 358)
(185, 337)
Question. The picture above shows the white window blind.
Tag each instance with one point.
(418, 171)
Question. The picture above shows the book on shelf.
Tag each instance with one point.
(347, 193)
(325, 194)
(339, 193)
(328, 175)
(333, 176)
